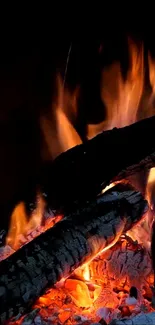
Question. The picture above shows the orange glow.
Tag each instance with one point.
(108, 187)
(121, 97)
(17, 226)
(22, 229)
(57, 127)
(21, 226)
(151, 62)
(79, 292)
(150, 189)
(86, 273)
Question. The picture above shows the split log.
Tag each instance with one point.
(56, 253)
(82, 172)
(143, 319)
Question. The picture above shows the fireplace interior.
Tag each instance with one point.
(78, 243)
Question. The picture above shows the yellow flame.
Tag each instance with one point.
(121, 97)
(150, 188)
(79, 292)
(86, 273)
(57, 127)
(17, 226)
(21, 226)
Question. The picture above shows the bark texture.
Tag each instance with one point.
(82, 172)
(53, 255)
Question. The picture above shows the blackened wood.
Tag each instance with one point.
(83, 171)
(73, 241)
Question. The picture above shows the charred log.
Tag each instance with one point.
(83, 171)
(56, 253)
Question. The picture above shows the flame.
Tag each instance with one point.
(57, 127)
(121, 97)
(20, 225)
(17, 226)
(151, 63)
(23, 229)
(86, 273)
(79, 292)
(108, 187)
(150, 189)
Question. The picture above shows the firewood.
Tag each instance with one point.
(56, 253)
(82, 172)
(143, 319)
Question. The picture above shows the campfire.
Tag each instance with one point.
(88, 258)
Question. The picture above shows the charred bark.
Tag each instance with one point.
(83, 171)
(55, 254)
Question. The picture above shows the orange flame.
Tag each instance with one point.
(21, 226)
(150, 187)
(79, 292)
(59, 132)
(22, 229)
(121, 97)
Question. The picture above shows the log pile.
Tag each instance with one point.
(56, 253)
(82, 172)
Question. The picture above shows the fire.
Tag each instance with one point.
(106, 279)
(121, 97)
(21, 226)
(23, 229)
(57, 126)
(151, 188)
(126, 101)
(79, 292)
(123, 100)
(86, 273)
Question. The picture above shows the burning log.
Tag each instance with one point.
(82, 172)
(137, 320)
(75, 240)
(126, 263)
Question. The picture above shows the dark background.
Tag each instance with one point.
(32, 51)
